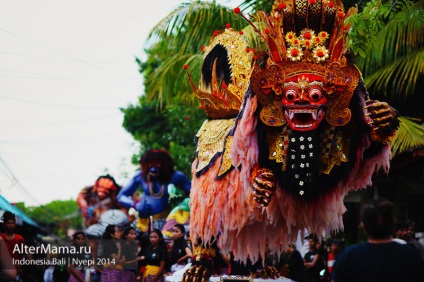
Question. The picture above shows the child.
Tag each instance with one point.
(156, 258)
(129, 251)
(180, 251)
(78, 272)
(112, 254)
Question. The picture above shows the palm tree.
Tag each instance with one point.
(184, 31)
(393, 69)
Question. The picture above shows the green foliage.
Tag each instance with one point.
(191, 25)
(169, 81)
(176, 41)
(144, 122)
(409, 136)
(390, 41)
(398, 76)
(257, 5)
(167, 115)
(172, 128)
(385, 34)
(57, 216)
(393, 65)
(184, 124)
(365, 26)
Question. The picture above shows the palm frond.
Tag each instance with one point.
(169, 80)
(257, 5)
(398, 79)
(394, 41)
(409, 136)
(192, 24)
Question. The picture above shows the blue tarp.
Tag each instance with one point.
(7, 206)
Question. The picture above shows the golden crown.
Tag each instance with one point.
(305, 38)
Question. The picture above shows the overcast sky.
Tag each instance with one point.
(65, 69)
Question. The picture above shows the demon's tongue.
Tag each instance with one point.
(304, 118)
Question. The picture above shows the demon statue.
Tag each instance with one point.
(94, 200)
(291, 131)
(157, 179)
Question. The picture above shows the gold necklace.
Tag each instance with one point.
(154, 195)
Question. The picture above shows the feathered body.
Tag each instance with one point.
(302, 122)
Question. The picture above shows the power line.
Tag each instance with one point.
(72, 58)
(63, 59)
(55, 105)
(55, 123)
(55, 77)
(15, 180)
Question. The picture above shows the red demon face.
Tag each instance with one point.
(304, 102)
(104, 187)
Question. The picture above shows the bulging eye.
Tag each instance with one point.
(290, 94)
(315, 94)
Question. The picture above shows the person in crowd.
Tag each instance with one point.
(112, 254)
(336, 248)
(410, 238)
(312, 260)
(144, 239)
(323, 258)
(79, 272)
(93, 243)
(380, 258)
(7, 269)
(400, 231)
(129, 251)
(295, 266)
(156, 258)
(12, 239)
(180, 251)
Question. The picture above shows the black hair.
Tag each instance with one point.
(162, 242)
(110, 229)
(377, 218)
(181, 227)
(78, 233)
(127, 231)
(7, 215)
(410, 223)
(400, 226)
(157, 231)
(312, 237)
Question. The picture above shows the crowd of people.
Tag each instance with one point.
(123, 254)
(380, 258)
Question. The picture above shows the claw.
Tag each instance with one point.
(387, 124)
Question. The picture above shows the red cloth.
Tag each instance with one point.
(330, 262)
(17, 240)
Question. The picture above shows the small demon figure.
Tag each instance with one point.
(96, 199)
